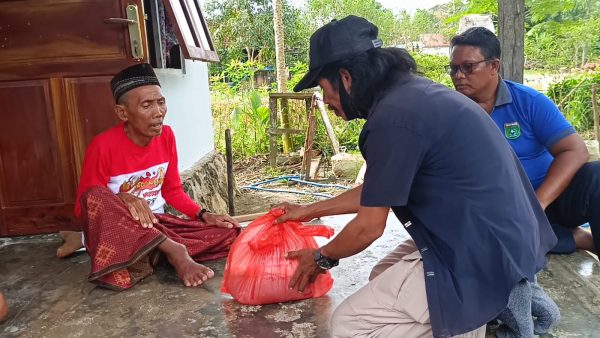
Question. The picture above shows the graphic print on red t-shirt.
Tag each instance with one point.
(144, 184)
(151, 172)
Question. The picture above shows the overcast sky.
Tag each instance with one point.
(411, 5)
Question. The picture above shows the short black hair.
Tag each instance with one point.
(372, 73)
(479, 37)
(123, 99)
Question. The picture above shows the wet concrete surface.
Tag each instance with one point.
(49, 297)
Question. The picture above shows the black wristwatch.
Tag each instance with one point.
(201, 214)
(325, 262)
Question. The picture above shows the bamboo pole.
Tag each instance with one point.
(230, 179)
(596, 112)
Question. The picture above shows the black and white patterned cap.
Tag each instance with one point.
(138, 75)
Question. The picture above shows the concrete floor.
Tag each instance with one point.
(49, 297)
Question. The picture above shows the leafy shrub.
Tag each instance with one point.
(573, 96)
(297, 71)
(432, 66)
(238, 106)
(249, 122)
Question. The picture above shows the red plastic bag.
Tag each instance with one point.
(257, 271)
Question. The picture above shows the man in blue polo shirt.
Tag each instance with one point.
(429, 153)
(552, 153)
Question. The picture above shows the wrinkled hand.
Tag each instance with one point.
(307, 270)
(223, 221)
(139, 209)
(293, 212)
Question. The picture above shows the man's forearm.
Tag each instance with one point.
(357, 235)
(559, 175)
(345, 203)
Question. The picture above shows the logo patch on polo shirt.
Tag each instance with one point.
(512, 130)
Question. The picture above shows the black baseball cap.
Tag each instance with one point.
(338, 40)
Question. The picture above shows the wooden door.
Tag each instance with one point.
(57, 59)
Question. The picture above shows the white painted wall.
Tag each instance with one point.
(188, 103)
(439, 51)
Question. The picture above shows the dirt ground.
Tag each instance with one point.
(257, 169)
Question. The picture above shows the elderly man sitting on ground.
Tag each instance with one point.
(129, 173)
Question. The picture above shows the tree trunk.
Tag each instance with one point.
(511, 29)
(281, 69)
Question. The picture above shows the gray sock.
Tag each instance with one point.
(516, 318)
(544, 310)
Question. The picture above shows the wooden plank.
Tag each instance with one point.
(248, 217)
(334, 142)
(308, 145)
(281, 131)
(595, 111)
(291, 96)
(314, 167)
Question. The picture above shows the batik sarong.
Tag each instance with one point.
(122, 252)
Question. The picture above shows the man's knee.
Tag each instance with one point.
(95, 192)
(377, 270)
(341, 320)
(94, 200)
(590, 174)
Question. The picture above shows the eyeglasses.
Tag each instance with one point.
(465, 68)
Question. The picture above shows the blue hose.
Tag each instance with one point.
(288, 191)
(293, 178)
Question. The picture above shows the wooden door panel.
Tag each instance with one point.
(91, 103)
(28, 148)
(60, 31)
(57, 59)
(47, 38)
(31, 165)
(38, 220)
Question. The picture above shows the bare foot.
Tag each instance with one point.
(72, 243)
(584, 240)
(190, 272)
(3, 308)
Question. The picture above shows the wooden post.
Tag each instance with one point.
(272, 129)
(334, 142)
(285, 121)
(596, 112)
(230, 180)
(308, 146)
(309, 107)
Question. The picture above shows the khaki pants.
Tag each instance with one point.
(393, 304)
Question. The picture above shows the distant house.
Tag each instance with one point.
(264, 77)
(476, 20)
(434, 44)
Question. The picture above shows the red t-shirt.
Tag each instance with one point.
(112, 160)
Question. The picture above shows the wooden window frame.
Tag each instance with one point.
(197, 43)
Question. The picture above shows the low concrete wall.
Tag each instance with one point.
(593, 149)
(206, 182)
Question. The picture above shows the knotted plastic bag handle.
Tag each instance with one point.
(273, 233)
